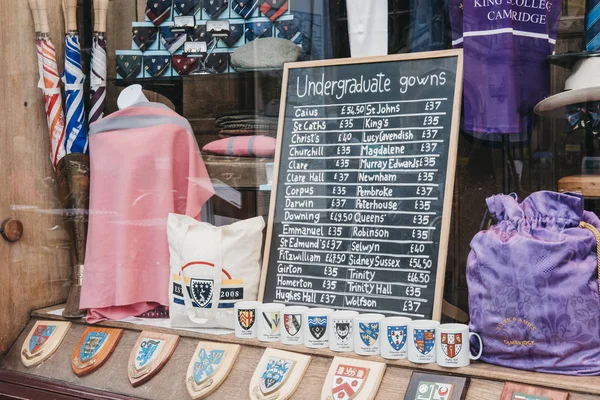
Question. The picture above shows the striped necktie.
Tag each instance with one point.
(592, 25)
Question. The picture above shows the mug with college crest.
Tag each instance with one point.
(367, 334)
(269, 321)
(394, 331)
(421, 341)
(245, 322)
(453, 349)
(291, 330)
(340, 330)
(315, 327)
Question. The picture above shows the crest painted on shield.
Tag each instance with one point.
(424, 340)
(42, 341)
(246, 318)
(40, 336)
(397, 336)
(92, 344)
(292, 323)
(369, 333)
(207, 365)
(348, 381)
(451, 343)
(343, 330)
(272, 320)
(202, 291)
(317, 325)
(434, 391)
(275, 374)
(149, 349)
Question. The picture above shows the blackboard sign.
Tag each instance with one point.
(363, 182)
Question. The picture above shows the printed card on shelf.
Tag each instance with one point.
(43, 340)
(278, 375)
(94, 349)
(209, 367)
(352, 379)
(149, 354)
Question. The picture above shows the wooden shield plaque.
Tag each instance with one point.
(209, 367)
(94, 348)
(278, 375)
(42, 341)
(352, 379)
(149, 354)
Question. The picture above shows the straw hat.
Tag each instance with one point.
(583, 85)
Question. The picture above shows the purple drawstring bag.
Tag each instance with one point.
(533, 285)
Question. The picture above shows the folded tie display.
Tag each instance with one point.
(214, 8)
(170, 40)
(144, 36)
(236, 31)
(274, 9)
(255, 30)
(158, 11)
(245, 8)
(217, 61)
(186, 7)
(288, 30)
(129, 66)
(584, 115)
(156, 66)
(183, 65)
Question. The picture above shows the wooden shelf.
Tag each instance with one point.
(485, 377)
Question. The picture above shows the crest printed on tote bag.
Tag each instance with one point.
(149, 354)
(94, 348)
(202, 291)
(451, 343)
(43, 340)
(292, 323)
(209, 367)
(278, 375)
(397, 336)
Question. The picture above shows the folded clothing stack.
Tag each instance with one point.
(245, 134)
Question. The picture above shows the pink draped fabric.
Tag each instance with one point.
(145, 164)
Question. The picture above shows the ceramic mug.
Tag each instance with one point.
(269, 321)
(245, 323)
(291, 328)
(340, 330)
(394, 332)
(315, 327)
(367, 334)
(454, 349)
(421, 341)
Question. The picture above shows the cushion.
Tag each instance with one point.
(242, 146)
(265, 53)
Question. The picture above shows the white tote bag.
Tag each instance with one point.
(212, 268)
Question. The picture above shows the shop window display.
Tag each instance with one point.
(247, 198)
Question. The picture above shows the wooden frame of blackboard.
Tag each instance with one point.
(450, 167)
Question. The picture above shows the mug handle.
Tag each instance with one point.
(471, 356)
